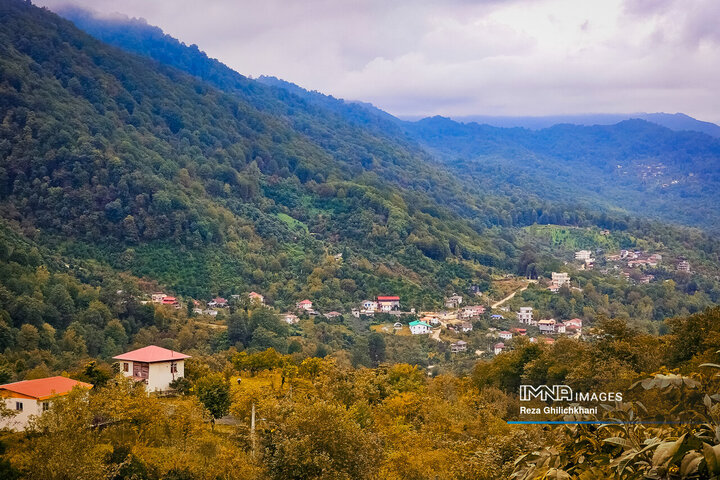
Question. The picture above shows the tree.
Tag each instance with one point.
(376, 348)
(322, 441)
(213, 391)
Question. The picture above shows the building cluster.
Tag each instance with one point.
(381, 304)
(154, 366)
(208, 308)
(525, 316)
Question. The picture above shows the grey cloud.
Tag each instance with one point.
(462, 57)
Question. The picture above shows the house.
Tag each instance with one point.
(505, 335)
(369, 306)
(211, 312)
(497, 317)
(290, 318)
(171, 301)
(431, 320)
(472, 311)
(304, 305)
(519, 331)
(583, 255)
(158, 297)
(256, 298)
(466, 327)
(498, 348)
(397, 326)
(559, 327)
(155, 366)
(655, 257)
(31, 398)
(547, 326)
(574, 325)
(459, 346)
(683, 266)
(218, 302)
(388, 303)
(525, 315)
(333, 314)
(419, 328)
(453, 301)
(559, 280)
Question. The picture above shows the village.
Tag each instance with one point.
(470, 326)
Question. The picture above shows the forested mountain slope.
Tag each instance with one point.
(634, 166)
(110, 156)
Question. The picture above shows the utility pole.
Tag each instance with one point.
(252, 429)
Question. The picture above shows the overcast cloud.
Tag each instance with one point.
(456, 57)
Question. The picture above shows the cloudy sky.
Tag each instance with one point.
(463, 57)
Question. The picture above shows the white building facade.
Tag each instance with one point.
(155, 366)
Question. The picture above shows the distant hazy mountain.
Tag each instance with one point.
(676, 121)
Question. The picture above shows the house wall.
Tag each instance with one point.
(31, 407)
(159, 374)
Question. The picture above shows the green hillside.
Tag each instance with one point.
(141, 166)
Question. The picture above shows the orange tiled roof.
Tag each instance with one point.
(43, 388)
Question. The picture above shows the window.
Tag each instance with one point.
(19, 406)
(126, 367)
(173, 367)
(46, 406)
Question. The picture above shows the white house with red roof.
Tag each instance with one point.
(157, 367)
(304, 305)
(256, 298)
(388, 303)
(218, 302)
(32, 397)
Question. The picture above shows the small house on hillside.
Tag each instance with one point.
(290, 318)
(256, 298)
(218, 302)
(304, 305)
(505, 335)
(157, 297)
(498, 348)
(155, 366)
(525, 315)
(419, 328)
(453, 301)
(388, 303)
(459, 346)
(547, 326)
(32, 397)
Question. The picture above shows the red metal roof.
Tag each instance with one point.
(391, 298)
(151, 354)
(43, 388)
(305, 302)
